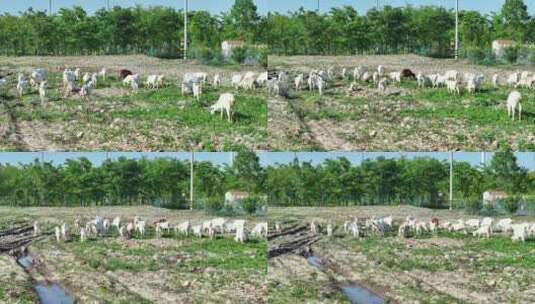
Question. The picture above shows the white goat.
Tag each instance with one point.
(298, 82)
(224, 104)
(217, 81)
(42, 91)
(513, 101)
(197, 90)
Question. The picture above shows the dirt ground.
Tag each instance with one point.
(406, 118)
(434, 268)
(116, 119)
(170, 269)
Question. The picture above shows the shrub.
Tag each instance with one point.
(204, 55)
(253, 204)
(511, 204)
(532, 56)
(473, 205)
(239, 54)
(511, 54)
(475, 54)
(214, 204)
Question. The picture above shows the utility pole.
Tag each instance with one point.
(192, 161)
(377, 4)
(50, 7)
(318, 7)
(451, 180)
(185, 29)
(108, 5)
(483, 160)
(456, 29)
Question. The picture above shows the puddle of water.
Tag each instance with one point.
(47, 293)
(314, 261)
(359, 295)
(25, 261)
(52, 294)
(354, 293)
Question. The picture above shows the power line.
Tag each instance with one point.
(456, 29)
(186, 29)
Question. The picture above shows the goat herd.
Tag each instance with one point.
(376, 226)
(192, 84)
(100, 226)
(453, 80)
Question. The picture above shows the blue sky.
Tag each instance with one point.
(267, 158)
(217, 6)
(485, 6)
(213, 6)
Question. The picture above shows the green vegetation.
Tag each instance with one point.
(161, 182)
(156, 30)
(419, 181)
(164, 118)
(417, 29)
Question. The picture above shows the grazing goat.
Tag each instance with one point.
(42, 91)
(262, 79)
(86, 78)
(132, 81)
(38, 76)
(260, 230)
(423, 81)
(241, 232)
(395, 76)
(36, 228)
(153, 81)
(83, 235)
(236, 80)
(503, 225)
(314, 229)
(513, 101)
(495, 80)
(183, 228)
(381, 70)
(382, 85)
(513, 79)
(358, 72)
(484, 230)
(278, 227)
(298, 82)
(354, 228)
(197, 90)
(197, 230)
(103, 73)
(224, 104)
(124, 73)
(22, 85)
(116, 222)
(329, 229)
(140, 227)
(65, 232)
(85, 91)
(77, 73)
(520, 232)
(217, 81)
(454, 86)
(58, 234)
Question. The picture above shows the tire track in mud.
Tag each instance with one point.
(304, 128)
(13, 134)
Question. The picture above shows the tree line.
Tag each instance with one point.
(161, 182)
(154, 30)
(383, 181)
(428, 30)
(165, 182)
(158, 30)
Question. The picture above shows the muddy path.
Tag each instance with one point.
(297, 240)
(17, 238)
